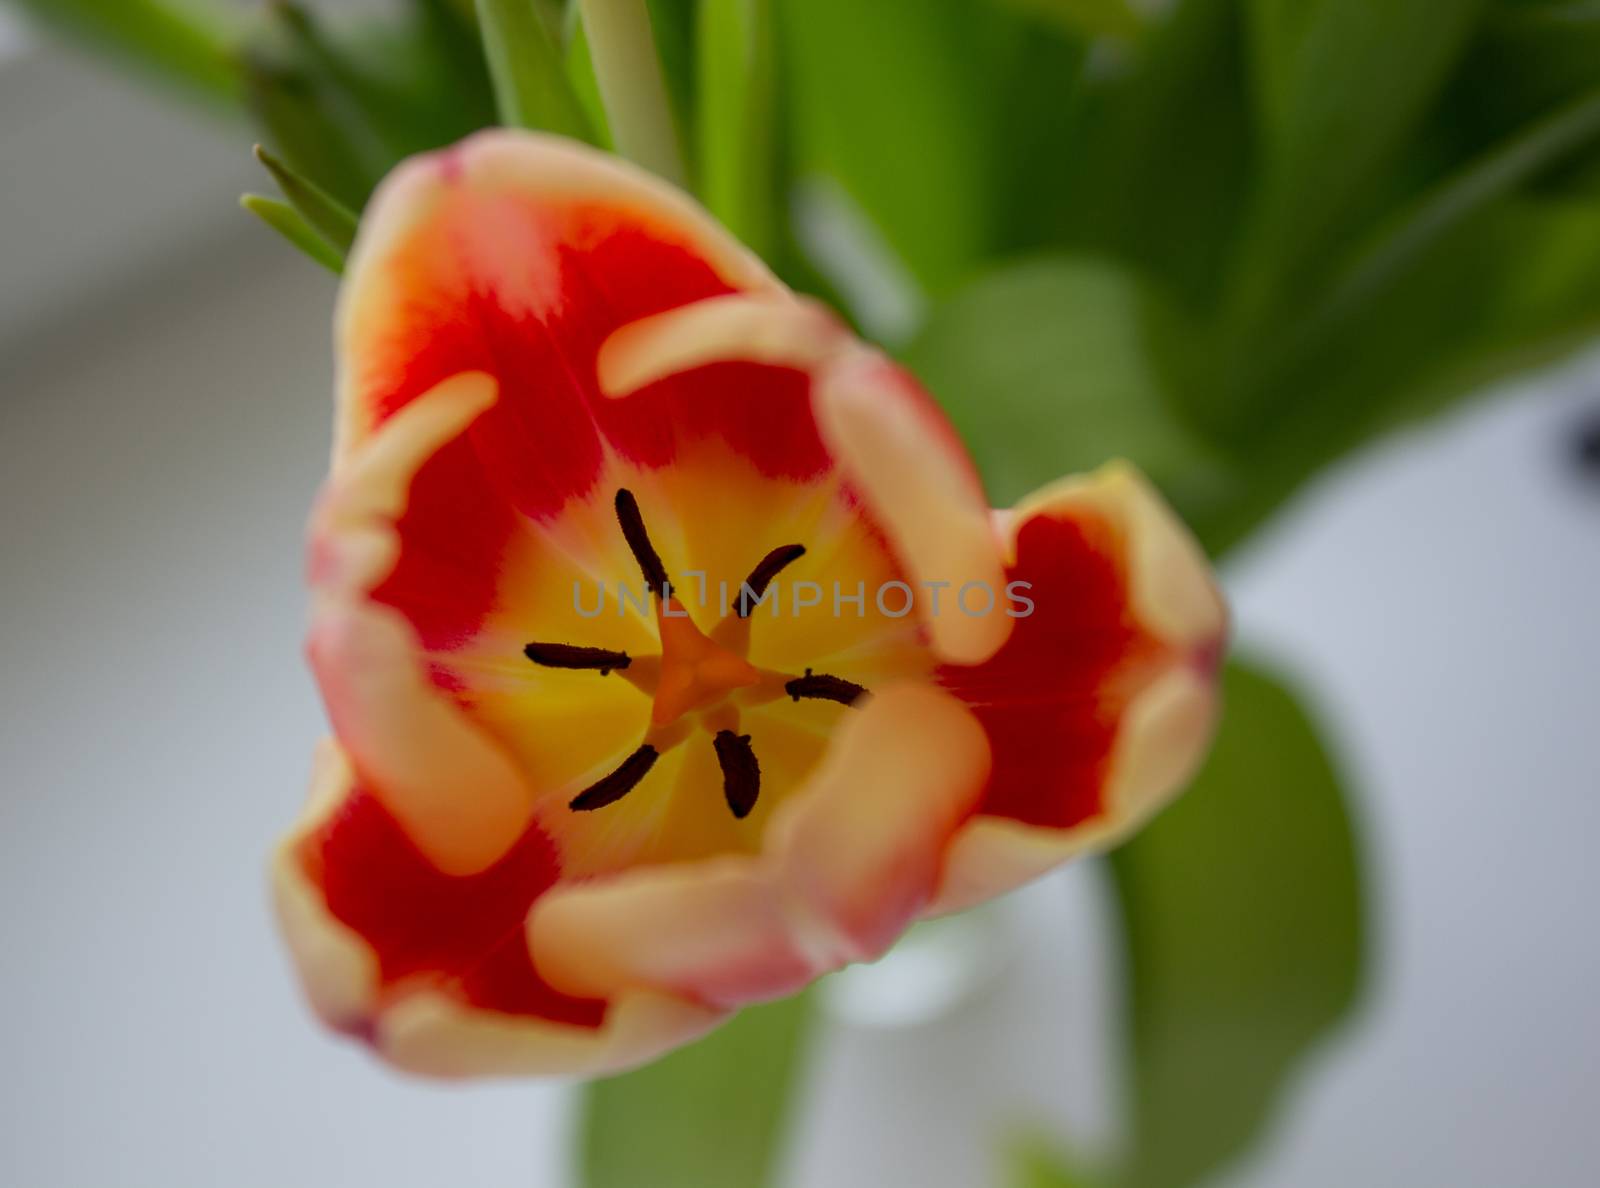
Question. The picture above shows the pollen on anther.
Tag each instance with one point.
(822, 687)
(557, 655)
(619, 783)
(741, 772)
(633, 531)
(755, 586)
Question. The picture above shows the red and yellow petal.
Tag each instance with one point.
(717, 931)
(862, 849)
(518, 255)
(1101, 703)
(413, 746)
(846, 865)
(432, 969)
(890, 440)
(526, 328)
(622, 331)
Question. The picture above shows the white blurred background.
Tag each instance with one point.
(164, 416)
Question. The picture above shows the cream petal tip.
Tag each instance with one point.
(338, 972)
(862, 847)
(434, 1036)
(715, 931)
(910, 468)
(1172, 590)
(775, 328)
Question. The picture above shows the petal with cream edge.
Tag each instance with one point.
(563, 834)
(1101, 704)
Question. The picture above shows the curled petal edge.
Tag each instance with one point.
(1164, 731)
(530, 165)
(1160, 743)
(411, 743)
(1171, 591)
(894, 444)
(424, 1031)
(847, 864)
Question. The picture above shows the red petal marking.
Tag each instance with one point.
(1050, 699)
(464, 936)
(453, 534)
(540, 444)
(761, 412)
(450, 310)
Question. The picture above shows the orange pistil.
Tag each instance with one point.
(696, 672)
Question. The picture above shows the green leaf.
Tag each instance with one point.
(1163, 156)
(1053, 366)
(1409, 235)
(737, 112)
(529, 74)
(187, 43)
(326, 214)
(1341, 85)
(306, 124)
(1515, 286)
(1531, 57)
(288, 222)
(448, 84)
(410, 83)
(1481, 276)
(896, 101)
(1093, 18)
(708, 1116)
(1242, 916)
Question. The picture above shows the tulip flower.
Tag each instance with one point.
(673, 655)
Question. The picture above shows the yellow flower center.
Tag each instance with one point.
(693, 674)
(664, 730)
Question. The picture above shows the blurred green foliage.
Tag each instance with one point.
(1035, 1164)
(712, 1115)
(1231, 240)
(1242, 922)
(1242, 926)
(187, 44)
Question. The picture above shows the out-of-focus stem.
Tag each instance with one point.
(530, 82)
(632, 86)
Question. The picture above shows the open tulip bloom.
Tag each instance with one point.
(673, 655)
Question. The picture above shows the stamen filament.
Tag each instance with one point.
(619, 783)
(741, 773)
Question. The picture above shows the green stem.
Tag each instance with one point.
(736, 120)
(529, 76)
(632, 86)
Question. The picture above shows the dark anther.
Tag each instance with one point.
(761, 576)
(554, 655)
(741, 774)
(824, 688)
(619, 783)
(633, 531)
